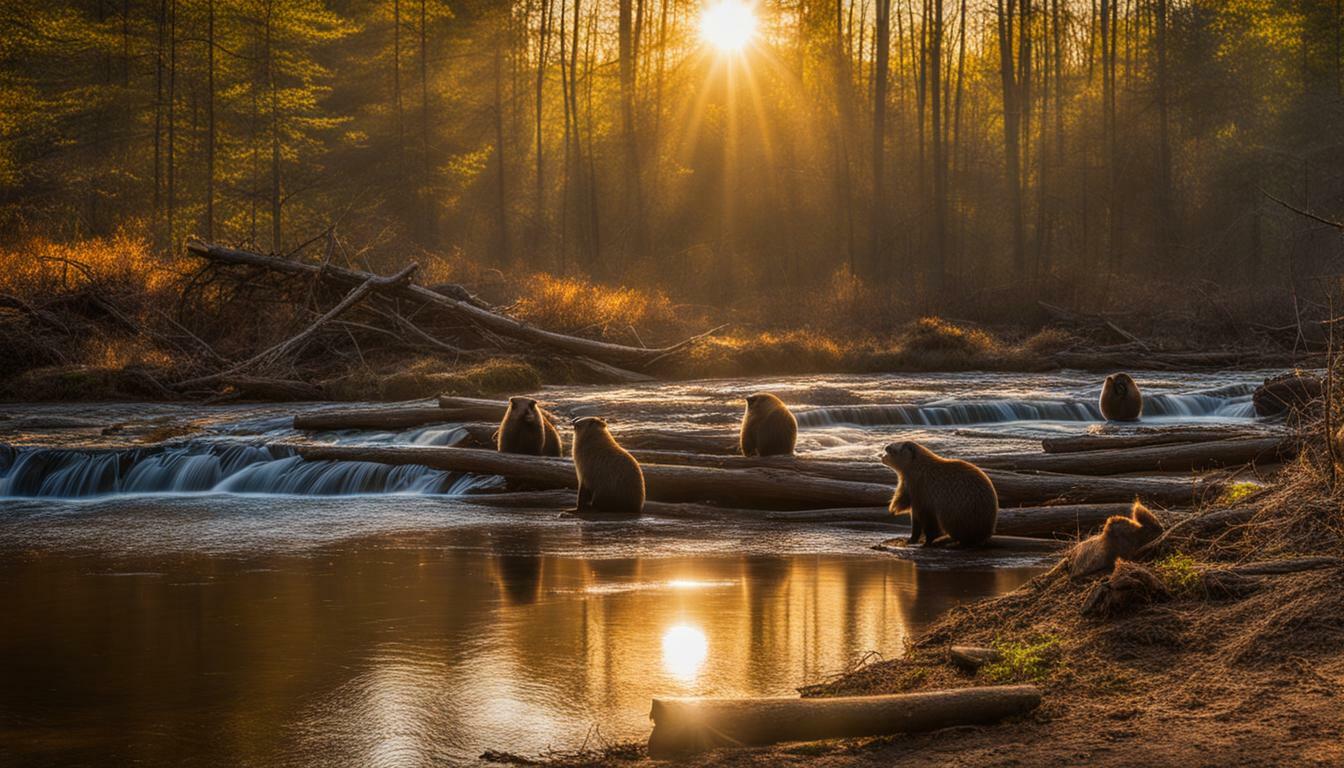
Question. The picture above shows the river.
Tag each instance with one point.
(181, 590)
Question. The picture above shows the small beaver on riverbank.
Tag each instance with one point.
(1120, 398)
(944, 496)
(610, 480)
(528, 429)
(1120, 538)
(768, 428)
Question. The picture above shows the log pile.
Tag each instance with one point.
(393, 311)
(1066, 491)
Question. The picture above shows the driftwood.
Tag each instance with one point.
(972, 657)
(1100, 442)
(682, 726)
(501, 325)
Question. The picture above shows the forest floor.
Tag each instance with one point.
(1209, 670)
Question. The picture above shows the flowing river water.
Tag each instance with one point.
(180, 589)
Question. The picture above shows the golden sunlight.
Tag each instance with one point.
(684, 650)
(728, 25)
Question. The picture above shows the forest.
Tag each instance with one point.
(940, 148)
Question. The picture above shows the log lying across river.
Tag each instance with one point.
(1070, 520)
(682, 726)
(1095, 442)
(1180, 457)
(770, 486)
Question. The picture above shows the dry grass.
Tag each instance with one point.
(572, 305)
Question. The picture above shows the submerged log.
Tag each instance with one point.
(499, 324)
(1097, 442)
(682, 726)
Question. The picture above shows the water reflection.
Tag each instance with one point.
(684, 650)
(419, 649)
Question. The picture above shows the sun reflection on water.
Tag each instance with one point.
(684, 651)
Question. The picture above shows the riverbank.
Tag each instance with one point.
(1216, 660)
(109, 320)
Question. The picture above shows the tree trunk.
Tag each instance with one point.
(1012, 143)
(882, 38)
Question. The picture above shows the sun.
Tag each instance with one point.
(728, 25)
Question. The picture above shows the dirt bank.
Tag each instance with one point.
(1217, 663)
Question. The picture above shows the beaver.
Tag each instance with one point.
(1120, 398)
(610, 480)
(768, 428)
(944, 496)
(1121, 537)
(527, 428)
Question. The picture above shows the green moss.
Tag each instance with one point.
(1238, 492)
(1179, 573)
(1024, 660)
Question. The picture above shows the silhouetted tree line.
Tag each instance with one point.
(949, 145)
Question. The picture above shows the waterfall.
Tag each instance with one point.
(203, 467)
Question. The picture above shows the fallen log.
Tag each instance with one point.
(757, 488)
(1181, 457)
(972, 657)
(1014, 488)
(682, 726)
(1098, 442)
(1071, 521)
(273, 390)
(1159, 458)
(763, 487)
(383, 419)
(502, 325)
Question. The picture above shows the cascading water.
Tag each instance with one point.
(1231, 402)
(214, 468)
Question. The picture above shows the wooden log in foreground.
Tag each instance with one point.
(682, 726)
(765, 487)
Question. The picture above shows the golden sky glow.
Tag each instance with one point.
(728, 25)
